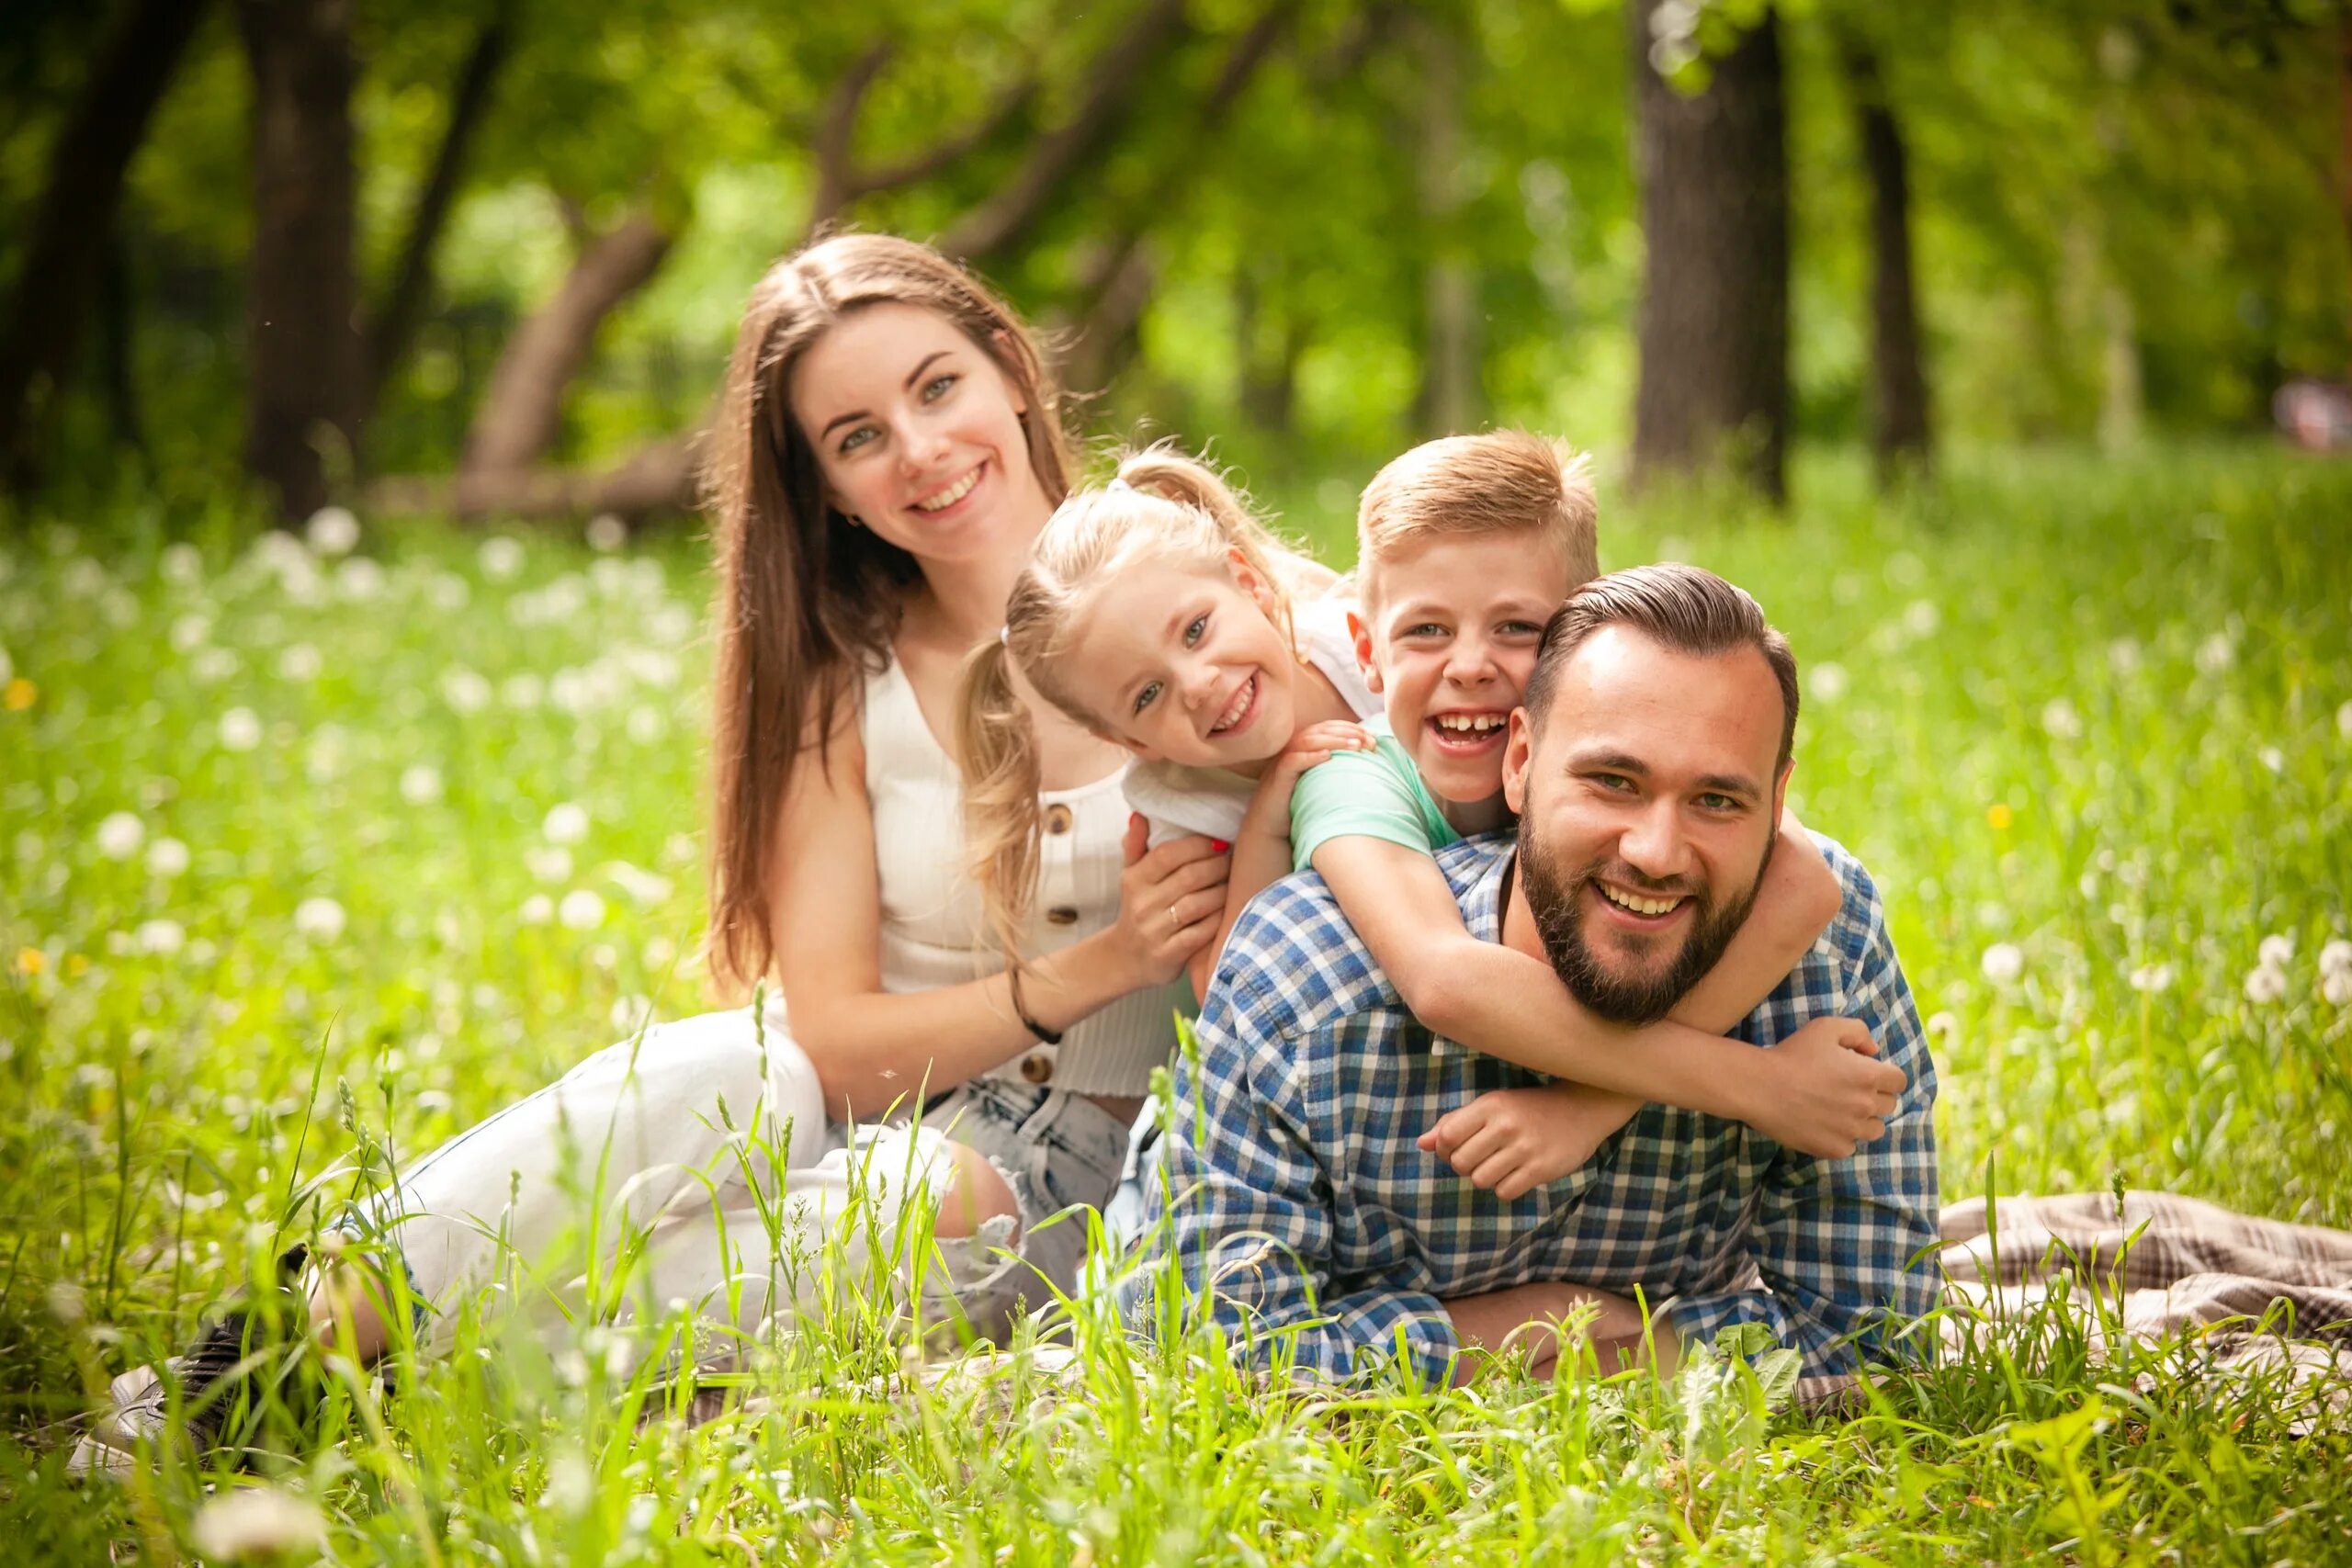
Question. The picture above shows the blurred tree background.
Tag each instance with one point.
(484, 256)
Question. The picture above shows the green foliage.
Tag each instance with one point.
(286, 869)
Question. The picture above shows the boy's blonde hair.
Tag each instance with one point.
(1504, 481)
(1162, 509)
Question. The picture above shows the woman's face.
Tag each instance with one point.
(1186, 666)
(918, 435)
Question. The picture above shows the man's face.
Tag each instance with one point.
(1647, 814)
(1448, 638)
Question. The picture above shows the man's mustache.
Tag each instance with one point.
(1625, 876)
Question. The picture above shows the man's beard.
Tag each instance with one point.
(1638, 998)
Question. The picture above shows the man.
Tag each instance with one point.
(1647, 766)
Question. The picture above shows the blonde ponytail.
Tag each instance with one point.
(996, 750)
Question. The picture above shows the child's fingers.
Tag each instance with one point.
(1495, 1171)
(1482, 1144)
(1518, 1184)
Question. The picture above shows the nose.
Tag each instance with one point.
(1198, 681)
(1654, 845)
(1469, 663)
(919, 447)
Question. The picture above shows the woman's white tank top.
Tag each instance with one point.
(933, 930)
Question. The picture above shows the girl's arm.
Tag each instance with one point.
(1261, 850)
(1496, 999)
(874, 1049)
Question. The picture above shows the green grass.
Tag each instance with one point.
(2097, 719)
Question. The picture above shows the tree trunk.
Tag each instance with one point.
(393, 325)
(303, 366)
(1713, 323)
(118, 356)
(1899, 438)
(522, 411)
(1449, 396)
(66, 245)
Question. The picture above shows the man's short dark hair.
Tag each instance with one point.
(1686, 608)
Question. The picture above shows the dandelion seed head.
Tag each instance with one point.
(2264, 984)
(465, 691)
(2123, 656)
(1827, 681)
(1921, 617)
(548, 862)
(500, 556)
(2216, 653)
(160, 937)
(299, 661)
(2003, 962)
(2337, 988)
(2336, 958)
(241, 729)
(537, 910)
(332, 531)
(120, 835)
(181, 562)
(2060, 719)
(2273, 759)
(607, 533)
(359, 579)
(2277, 949)
(566, 824)
(254, 1522)
(420, 784)
(167, 858)
(2150, 978)
(318, 918)
(582, 910)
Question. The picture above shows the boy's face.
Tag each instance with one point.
(1448, 638)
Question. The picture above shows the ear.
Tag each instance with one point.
(1245, 578)
(1519, 752)
(1361, 635)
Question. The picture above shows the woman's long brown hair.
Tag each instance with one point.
(808, 603)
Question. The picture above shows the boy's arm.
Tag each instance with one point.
(1824, 1096)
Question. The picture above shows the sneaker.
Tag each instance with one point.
(218, 1377)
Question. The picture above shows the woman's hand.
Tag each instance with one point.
(1172, 901)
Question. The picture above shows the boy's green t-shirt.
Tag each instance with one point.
(1371, 795)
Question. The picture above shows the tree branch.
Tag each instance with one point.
(395, 321)
(836, 175)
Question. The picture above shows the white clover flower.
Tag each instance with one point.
(464, 691)
(181, 562)
(162, 938)
(167, 858)
(1920, 618)
(565, 824)
(536, 910)
(300, 661)
(524, 690)
(2058, 717)
(254, 1522)
(120, 835)
(501, 558)
(607, 533)
(2337, 988)
(447, 591)
(2003, 962)
(333, 531)
(2275, 951)
(2152, 977)
(359, 579)
(2264, 984)
(2216, 653)
(580, 910)
(320, 919)
(548, 862)
(2336, 958)
(420, 784)
(1827, 681)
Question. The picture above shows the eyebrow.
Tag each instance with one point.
(1624, 763)
(1422, 609)
(854, 415)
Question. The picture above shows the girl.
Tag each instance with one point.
(889, 446)
(1158, 613)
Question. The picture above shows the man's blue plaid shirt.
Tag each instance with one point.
(1298, 1187)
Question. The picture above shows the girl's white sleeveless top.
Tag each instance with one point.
(934, 931)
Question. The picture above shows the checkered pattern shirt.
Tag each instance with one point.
(1299, 1192)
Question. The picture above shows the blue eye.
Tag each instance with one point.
(1521, 628)
(1143, 698)
(1426, 629)
(1193, 633)
(858, 437)
(936, 388)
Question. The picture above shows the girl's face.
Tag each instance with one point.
(1186, 665)
(918, 435)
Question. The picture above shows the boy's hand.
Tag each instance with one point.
(1822, 1091)
(1515, 1140)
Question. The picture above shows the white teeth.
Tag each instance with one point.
(1236, 708)
(1479, 722)
(951, 495)
(1640, 906)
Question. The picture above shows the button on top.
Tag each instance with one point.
(1037, 1066)
(1057, 818)
(1062, 915)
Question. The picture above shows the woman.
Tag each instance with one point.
(889, 446)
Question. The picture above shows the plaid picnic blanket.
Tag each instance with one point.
(2270, 1297)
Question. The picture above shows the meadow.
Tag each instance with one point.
(312, 840)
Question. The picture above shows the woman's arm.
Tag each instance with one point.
(1822, 1098)
(874, 1049)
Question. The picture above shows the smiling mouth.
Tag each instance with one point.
(1641, 905)
(1239, 709)
(940, 500)
(1467, 734)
